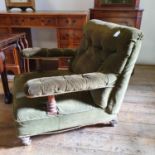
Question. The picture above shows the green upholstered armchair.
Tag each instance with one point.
(90, 92)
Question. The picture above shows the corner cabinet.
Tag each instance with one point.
(125, 12)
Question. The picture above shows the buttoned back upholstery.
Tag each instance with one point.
(108, 48)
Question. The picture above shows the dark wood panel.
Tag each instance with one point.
(130, 17)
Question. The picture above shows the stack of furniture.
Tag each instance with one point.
(126, 12)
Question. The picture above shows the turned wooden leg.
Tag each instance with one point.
(26, 140)
(52, 106)
(113, 123)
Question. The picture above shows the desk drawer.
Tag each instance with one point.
(4, 20)
(18, 21)
(71, 21)
(122, 21)
(33, 21)
(48, 21)
(74, 35)
(129, 17)
(41, 21)
(68, 44)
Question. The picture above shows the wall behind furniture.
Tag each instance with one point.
(147, 55)
(47, 38)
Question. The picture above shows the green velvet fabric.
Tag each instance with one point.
(74, 109)
(55, 85)
(36, 52)
(106, 48)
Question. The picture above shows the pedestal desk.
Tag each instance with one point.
(68, 24)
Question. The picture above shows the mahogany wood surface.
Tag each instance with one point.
(68, 24)
(122, 13)
(131, 4)
(129, 17)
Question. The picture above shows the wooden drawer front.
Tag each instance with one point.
(4, 31)
(125, 17)
(4, 20)
(41, 21)
(31, 21)
(71, 21)
(132, 13)
(67, 44)
(70, 34)
(122, 21)
(118, 14)
(48, 21)
(18, 21)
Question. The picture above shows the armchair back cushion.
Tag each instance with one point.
(108, 48)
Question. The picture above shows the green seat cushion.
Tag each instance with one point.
(28, 109)
(74, 109)
(33, 108)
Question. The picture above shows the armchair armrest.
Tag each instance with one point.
(37, 52)
(55, 85)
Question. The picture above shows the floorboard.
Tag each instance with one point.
(134, 134)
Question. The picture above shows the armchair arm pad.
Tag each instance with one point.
(55, 85)
(37, 52)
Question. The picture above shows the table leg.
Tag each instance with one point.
(7, 94)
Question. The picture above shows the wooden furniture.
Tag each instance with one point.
(7, 94)
(117, 3)
(126, 14)
(10, 45)
(68, 25)
(23, 4)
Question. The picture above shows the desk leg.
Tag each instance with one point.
(7, 94)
